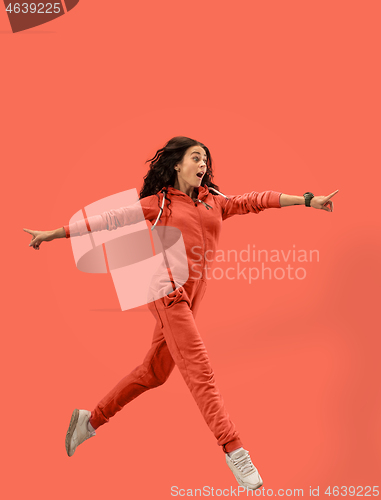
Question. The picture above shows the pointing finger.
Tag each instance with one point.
(332, 194)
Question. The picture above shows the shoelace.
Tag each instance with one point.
(244, 464)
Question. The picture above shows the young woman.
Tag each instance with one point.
(178, 191)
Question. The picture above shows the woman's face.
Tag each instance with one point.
(194, 162)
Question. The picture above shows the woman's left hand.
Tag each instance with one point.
(323, 202)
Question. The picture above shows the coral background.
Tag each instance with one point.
(286, 95)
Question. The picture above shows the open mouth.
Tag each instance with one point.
(200, 174)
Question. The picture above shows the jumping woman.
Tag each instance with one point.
(178, 191)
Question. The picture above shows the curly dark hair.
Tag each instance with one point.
(162, 173)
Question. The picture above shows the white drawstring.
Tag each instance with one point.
(215, 190)
(161, 211)
(203, 202)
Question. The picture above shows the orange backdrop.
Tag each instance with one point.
(286, 96)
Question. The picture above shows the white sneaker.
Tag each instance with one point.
(77, 432)
(243, 469)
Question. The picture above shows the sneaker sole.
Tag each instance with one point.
(258, 485)
(70, 431)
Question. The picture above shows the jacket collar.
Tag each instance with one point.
(201, 192)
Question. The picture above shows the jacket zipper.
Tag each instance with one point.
(203, 234)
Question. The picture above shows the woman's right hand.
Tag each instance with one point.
(38, 237)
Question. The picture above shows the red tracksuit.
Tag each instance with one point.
(176, 339)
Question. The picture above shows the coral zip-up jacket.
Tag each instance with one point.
(200, 225)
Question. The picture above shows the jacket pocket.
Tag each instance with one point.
(172, 298)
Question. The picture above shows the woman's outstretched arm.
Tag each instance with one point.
(287, 200)
(39, 236)
(145, 209)
(319, 202)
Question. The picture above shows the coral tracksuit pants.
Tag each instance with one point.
(176, 341)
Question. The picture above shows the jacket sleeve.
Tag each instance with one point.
(111, 220)
(250, 202)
